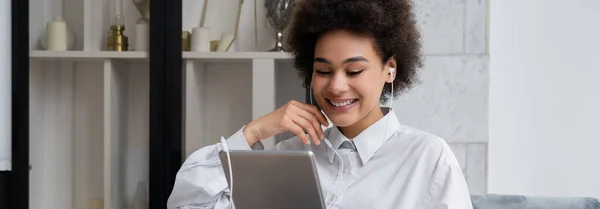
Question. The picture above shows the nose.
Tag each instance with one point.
(338, 84)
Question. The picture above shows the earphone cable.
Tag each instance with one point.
(392, 70)
(340, 175)
(224, 143)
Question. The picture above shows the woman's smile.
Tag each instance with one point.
(341, 105)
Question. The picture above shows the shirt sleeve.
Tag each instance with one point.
(449, 190)
(201, 182)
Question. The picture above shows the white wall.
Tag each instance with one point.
(545, 98)
(452, 99)
(5, 87)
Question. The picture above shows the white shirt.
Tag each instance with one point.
(403, 168)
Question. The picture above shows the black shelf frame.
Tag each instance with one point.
(166, 101)
(17, 180)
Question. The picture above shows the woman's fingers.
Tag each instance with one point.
(297, 125)
(302, 119)
(306, 125)
(315, 111)
(292, 127)
(312, 119)
(320, 116)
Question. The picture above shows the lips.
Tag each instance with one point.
(342, 102)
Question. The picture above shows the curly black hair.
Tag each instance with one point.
(391, 24)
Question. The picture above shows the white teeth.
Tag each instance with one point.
(343, 103)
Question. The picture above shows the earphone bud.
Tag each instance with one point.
(392, 70)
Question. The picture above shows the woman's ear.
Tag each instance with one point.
(391, 70)
(391, 75)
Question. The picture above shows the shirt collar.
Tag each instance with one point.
(368, 141)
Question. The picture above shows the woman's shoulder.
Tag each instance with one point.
(426, 144)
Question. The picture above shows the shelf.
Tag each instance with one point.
(216, 57)
(87, 55)
(235, 56)
(88, 130)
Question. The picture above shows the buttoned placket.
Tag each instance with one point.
(351, 159)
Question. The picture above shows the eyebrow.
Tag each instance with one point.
(352, 59)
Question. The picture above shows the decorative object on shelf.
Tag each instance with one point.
(213, 45)
(116, 40)
(185, 41)
(142, 36)
(222, 24)
(142, 26)
(140, 200)
(201, 39)
(225, 42)
(57, 34)
(71, 39)
(279, 14)
(95, 203)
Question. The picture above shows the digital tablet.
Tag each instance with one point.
(273, 179)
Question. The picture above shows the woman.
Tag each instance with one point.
(353, 55)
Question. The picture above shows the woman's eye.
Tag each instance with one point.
(322, 72)
(352, 73)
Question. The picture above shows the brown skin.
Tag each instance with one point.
(346, 67)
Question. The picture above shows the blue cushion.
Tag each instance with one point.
(498, 201)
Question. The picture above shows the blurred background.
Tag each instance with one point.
(91, 119)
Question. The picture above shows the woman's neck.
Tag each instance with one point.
(355, 129)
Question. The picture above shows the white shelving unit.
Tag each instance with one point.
(89, 110)
(89, 107)
(89, 131)
(88, 55)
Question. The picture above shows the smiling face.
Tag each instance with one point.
(348, 80)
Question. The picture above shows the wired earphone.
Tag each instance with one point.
(340, 170)
(224, 143)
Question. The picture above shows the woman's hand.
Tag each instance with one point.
(295, 117)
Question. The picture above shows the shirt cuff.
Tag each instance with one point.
(237, 141)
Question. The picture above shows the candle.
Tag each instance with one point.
(141, 36)
(201, 39)
(57, 35)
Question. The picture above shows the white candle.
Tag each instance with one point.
(57, 35)
(141, 37)
(201, 39)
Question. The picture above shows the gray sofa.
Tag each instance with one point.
(499, 201)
